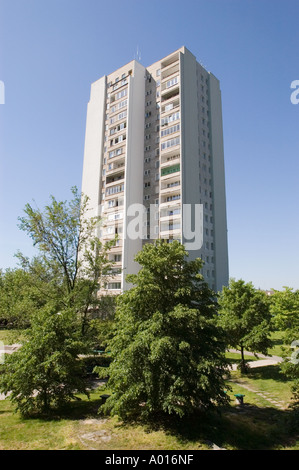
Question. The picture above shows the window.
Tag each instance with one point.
(122, 104)
(174, 212)
(120, 95)
(115, 189)
(172, 82)
(173, 198)
(111, 203)
(122, 115)
(168, 107)
(175, 183)
(114, 286)
(170, 118)
(115, 216)
(170, 143)
(170, 130)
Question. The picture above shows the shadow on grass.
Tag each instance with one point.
(247, 428)
(75, 410)
(267, 372)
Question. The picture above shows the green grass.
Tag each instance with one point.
(235, 358)
(17, 433)
(277, 343)
(263, 423)
(11, 336)
(258, 425)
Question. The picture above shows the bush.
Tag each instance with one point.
(91, 362)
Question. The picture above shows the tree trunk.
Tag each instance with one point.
(243, 364)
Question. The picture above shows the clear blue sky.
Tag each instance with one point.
(52, 50)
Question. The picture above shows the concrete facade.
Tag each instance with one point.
(154, 159)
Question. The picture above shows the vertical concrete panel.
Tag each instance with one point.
(220, 221)
(93, 148)
(189, 144)
(134, 164)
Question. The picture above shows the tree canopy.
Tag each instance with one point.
(72, 262)
(62, 294)
(244, 315)
(168, 353)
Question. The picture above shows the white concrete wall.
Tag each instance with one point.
(189, 147)
(134, 164)
(220, 221)
(92, 165)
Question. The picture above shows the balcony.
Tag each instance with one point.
(170, 93)
(168, 170)
(168, 215)
(171, 230)
(172, 186)
(170, 83)
(169, 105)
(115, 166)
(170, 60)
(116, 177)
(112, 190)
(169, 160)
(170, 70)
(169, 201)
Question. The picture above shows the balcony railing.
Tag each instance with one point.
(170, 169)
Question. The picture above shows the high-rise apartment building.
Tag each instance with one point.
(154, 163)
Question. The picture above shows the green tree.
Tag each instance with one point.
(66, 276)
(284, 307)
(245, 317)
(18, 298)
(71, 264)
(285, 310)
(168, 353)
(46, 370)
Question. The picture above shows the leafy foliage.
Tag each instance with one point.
(168, 353)
(60, 287)
(46, 370)
(285, 309)
(244, 315)
(18, 298)
(72, 261)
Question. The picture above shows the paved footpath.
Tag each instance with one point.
(263, 361)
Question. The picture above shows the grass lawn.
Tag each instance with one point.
(259, 424)
(235, 358)
(10, 336)
(277, 343)
(263, 423)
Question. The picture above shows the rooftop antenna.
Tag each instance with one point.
(138, 54)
